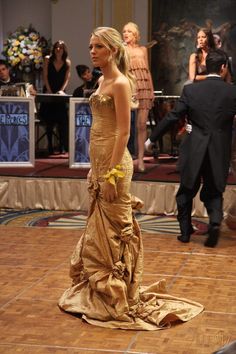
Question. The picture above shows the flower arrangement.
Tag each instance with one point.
(24, 49)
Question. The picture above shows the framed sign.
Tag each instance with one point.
(80, 123)
(17, 132)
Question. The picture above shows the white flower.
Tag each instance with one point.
(27, 69)
(25, 47)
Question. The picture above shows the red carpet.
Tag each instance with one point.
(163, 169)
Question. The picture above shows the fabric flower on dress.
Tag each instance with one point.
(112, 175)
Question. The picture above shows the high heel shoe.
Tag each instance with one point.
(141, 167)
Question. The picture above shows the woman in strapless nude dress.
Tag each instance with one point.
(144, 93)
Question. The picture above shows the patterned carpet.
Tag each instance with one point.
(77, 220)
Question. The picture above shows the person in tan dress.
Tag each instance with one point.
(139, 67)
(107, 264)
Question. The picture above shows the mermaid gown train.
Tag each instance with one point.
(107, 264)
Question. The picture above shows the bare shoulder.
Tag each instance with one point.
(121, 87)
(101, 78)
(143, 49)
(68, 62)
(46, 61)
(121, 82)
(192, 56)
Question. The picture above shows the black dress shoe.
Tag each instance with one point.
(184, 238)
(191, 231)
(212, 240)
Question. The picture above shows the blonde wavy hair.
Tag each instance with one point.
(135, 30)
(112, 40)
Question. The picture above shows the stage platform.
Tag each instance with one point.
(52, 185)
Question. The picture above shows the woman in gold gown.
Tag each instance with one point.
(106, 266)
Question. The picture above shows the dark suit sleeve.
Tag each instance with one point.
(180, 110)
(78, 92)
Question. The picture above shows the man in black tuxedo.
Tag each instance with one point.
(5, 78)
(205, 152)
(89, 78)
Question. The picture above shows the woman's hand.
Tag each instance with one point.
(89, 175)
(109, 192)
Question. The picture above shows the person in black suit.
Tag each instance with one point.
(210, 105)
(6, 80)
(90, 80)
(5, 77)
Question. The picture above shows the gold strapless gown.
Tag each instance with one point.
(107, 264)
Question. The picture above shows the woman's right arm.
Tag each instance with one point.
(192, 67)
(45, 74)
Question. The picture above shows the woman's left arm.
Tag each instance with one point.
(67, 76)
(122, 100)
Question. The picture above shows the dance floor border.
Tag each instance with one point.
(156, 224)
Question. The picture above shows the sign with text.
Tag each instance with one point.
(16, 132)
(80, 124)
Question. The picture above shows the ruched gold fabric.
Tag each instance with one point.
(107, 264)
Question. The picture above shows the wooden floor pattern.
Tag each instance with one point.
(34, 266)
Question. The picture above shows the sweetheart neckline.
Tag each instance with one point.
(101, 94)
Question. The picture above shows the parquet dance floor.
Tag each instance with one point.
(34, 264)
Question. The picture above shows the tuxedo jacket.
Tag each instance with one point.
(210, 105)
(11, 82)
